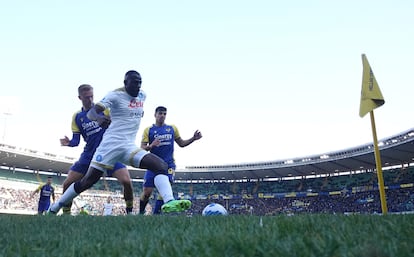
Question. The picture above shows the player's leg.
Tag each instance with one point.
(144, 199)
(72, 177)
(152, 162)
(46, 207)
(163, 185)
(42, 207)
(159, 202)
(146, 190)
(121, 173)
(92, 176)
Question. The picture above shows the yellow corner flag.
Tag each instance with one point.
(371, 96)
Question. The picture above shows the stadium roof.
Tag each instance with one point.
(395, 150)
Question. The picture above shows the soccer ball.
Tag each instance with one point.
(214, 209)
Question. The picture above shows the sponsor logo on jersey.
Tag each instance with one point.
(163, 137)
(134, 104)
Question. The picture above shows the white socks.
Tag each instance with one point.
(66, 197)
(162, 183)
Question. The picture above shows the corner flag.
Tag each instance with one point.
(371, 96)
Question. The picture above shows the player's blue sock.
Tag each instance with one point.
(142, 205)
(157, 207)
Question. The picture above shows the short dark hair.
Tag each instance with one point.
(131, 72)
(49, 177)
(160, 109)
(83, 88)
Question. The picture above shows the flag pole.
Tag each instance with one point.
(371, 98)
(378, 165)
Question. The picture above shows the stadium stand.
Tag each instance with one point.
(338, 182)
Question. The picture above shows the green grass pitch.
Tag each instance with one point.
(300, 235)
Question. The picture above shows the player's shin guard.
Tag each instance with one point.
(163, 185)
(129, 206)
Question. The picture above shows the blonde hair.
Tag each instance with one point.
(84, 87)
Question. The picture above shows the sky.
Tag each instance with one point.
(262, 80)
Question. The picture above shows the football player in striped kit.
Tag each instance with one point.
(46, 191)
(92, 133)
(159, 139)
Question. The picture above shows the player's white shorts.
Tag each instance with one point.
(107, 154)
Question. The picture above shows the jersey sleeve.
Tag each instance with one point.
(75, 127)
(40, 186)
(145, 135)
(109, 99)
(176, 132)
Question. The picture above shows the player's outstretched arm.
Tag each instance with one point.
(35, 192)
(70, 142)
(64, 141)
(183, 143)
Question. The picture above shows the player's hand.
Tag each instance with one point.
(197, 135)
(64, 141)
(155, 143)
(104, 121)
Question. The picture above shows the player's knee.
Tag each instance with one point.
(86, 183)
(154, 163)
(127, 184)
(66, 184)
(145, 197)
(162, 167)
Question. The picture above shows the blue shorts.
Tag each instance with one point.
(83, 168)
(43, 206)
(150, 175)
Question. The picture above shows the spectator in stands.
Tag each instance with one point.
(159, 139)
(46, 191)
(92, 134)
(83, 211)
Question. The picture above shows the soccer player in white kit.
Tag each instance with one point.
(107, 207)
(118, 145)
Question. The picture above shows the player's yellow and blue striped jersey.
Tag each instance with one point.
(46, 191)
(91, 132)
(167, 135)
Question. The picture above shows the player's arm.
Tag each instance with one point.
(145, 141)
(53, 194)
(183, 143)
(37, 190)
(97, 113)
(76, 134)
(70, 142)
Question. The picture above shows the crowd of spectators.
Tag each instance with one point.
(20, 200)
(398, 200)
(16, 197)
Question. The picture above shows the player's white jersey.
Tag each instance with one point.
(107, 209)
(126, 113)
